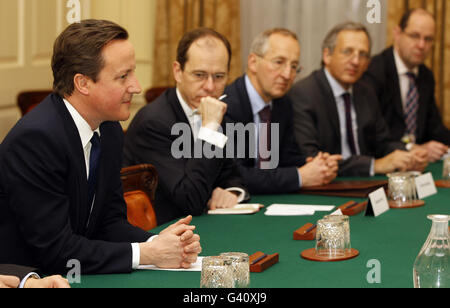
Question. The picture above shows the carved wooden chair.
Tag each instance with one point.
(139, 186)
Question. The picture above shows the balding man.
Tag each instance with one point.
(405, 86)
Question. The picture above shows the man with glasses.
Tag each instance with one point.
(336, 113)
(270, 161)
(190, 180)
(405, 86)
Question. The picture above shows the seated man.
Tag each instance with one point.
(14, 276)
(405, 87)
(189, 181)
(61, 196)
(259, 97)
(335, 112)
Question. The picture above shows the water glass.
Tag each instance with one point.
(241, 268)
(402, 188)
(446, 169)
(216, 273)
(330, 238)
(346, 220)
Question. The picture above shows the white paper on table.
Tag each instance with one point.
(295, 209)
(239, 209)
(195, 267)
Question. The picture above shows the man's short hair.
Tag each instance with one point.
(78, 50)
(407, 15)
(331, 38)
(190, 37)
(260, 44)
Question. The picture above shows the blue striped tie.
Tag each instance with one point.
(412, 106)
(94, 160)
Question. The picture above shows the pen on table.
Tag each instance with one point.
(310, 228)
(258, 259)
(351, 205)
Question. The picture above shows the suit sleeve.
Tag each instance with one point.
(15, 270)
(114, 223)
(187, 181)
(35, 172)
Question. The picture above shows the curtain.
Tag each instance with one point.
(311, 20)
(176, 17)
(439, 61)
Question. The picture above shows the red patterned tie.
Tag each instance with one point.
(264, 134)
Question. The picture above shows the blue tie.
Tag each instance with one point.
(348, 123)
(94, 160)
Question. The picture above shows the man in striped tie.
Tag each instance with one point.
(405, 86)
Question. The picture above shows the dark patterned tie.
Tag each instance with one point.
(412, 106)
(348, 122)
(94, 160)
(264, 134)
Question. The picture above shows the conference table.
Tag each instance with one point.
(388, 245)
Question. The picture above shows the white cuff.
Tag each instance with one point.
(212, 137)
(136, 253)
(24, 280)
(240, 191)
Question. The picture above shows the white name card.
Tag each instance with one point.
(378, 203)
(425, 186)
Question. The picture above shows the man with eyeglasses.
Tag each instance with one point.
(336, 113)
(190, 181)
(258, 101)
(406, 88)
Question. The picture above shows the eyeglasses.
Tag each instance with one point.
(200, 76)
(416, 37)
(280, 64)
(351, 53)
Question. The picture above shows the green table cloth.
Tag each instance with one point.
(388, 246)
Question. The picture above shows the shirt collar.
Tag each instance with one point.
(401, 67)
(84, 129)
(186, 108)
(256, 101)
(336, 87)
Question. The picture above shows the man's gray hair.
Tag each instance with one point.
(331, 38)
(260, 44)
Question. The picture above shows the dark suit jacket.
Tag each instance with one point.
(382, 75)
(43, 197)
(316, 123)
(283, 179)
(185, 184)
(15, 270)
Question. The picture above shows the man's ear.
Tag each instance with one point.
(81, 83)
(252, 62)
(396, 33)
(326, 56)
(177, 71)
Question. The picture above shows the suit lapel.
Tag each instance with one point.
(361, 113)
(77, 156)
(329, 101)
(392, 77)
(422, 112)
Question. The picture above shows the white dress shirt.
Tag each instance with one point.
(338, 91)
(403, 78)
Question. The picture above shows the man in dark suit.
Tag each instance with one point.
(173, 132)
(259, 97)
(15, 276)
(61, 196)
(334, 112)
(405, 87)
